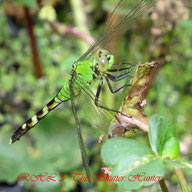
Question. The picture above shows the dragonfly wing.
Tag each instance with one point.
(80, 137)
(98, 117)
(115, 26)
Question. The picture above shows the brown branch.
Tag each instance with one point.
(133, 122)
(134, 101)
(37, 66)
(68, 30)
(163, 185)
(39, 2)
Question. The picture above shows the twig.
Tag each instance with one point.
(36, 62)
(65, 30)
(163, 185)
(131, 121)
(39, 2)
(134, 101)
(181, 178)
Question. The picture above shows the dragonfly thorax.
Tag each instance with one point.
(104, 60)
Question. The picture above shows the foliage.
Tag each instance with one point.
(136, 162)
(52, 146)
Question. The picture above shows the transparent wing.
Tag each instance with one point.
(80, 137)
(98, 117)
(114, 26)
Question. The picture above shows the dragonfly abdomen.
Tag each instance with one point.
(62, 96)
(23, 129)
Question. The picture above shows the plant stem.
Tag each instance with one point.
(80, 20)
(37, 66)
(39, 2)
(181, 179)
(69, 30)
(163, 185)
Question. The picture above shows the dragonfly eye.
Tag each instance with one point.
(103, 64)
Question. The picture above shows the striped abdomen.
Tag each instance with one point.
(63, 95)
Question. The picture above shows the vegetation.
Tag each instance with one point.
(39, 41)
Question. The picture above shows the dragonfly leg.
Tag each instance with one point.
(117, 70)
(131, 64)
(111, 89)
(118, 78)
(125, 68)
(97, 100)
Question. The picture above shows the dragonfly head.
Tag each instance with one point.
(105, 60)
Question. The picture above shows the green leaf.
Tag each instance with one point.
(28, 3)
(171, 148)
(180, 164)
(146, 173)
(122, 149)
(129, 159)
(162, 137)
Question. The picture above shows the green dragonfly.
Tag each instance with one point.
(96, 64)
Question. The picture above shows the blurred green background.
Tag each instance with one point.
(59, 31)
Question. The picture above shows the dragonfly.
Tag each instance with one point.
(96, 64)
